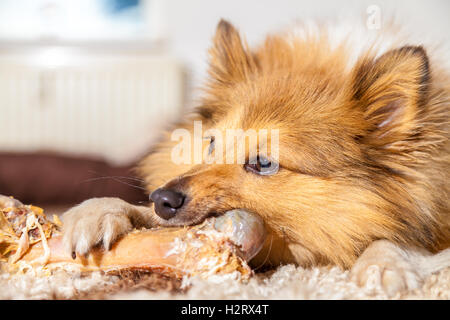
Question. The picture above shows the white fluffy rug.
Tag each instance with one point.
(287, 282)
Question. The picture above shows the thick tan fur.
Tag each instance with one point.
(364, 148)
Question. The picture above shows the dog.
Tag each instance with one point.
(361, 179)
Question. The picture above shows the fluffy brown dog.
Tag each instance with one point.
(363, 159)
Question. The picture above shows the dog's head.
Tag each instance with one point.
(346, 138)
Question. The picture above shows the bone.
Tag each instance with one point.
(220, 245)
(9, 202)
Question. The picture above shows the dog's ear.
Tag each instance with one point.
(392, 91)
(230, 59)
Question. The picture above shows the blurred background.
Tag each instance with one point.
(87, 86)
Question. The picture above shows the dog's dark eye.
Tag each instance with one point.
(262, 166)
(211, 145)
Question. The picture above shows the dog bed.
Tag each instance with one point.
(286, 282)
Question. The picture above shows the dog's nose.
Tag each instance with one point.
(167, 202)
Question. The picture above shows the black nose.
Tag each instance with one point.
(167, 202)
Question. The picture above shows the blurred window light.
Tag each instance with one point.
(51, 57)
(76, 20)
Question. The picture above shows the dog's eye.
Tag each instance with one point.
(211, 145)
(262, 166)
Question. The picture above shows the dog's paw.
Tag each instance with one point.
(391, 277)
(93, 222)
(386, 266)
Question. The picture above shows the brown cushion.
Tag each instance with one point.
(42, 178)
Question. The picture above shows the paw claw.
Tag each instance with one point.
(393, 282)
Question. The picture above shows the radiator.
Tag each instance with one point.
(102, 105)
